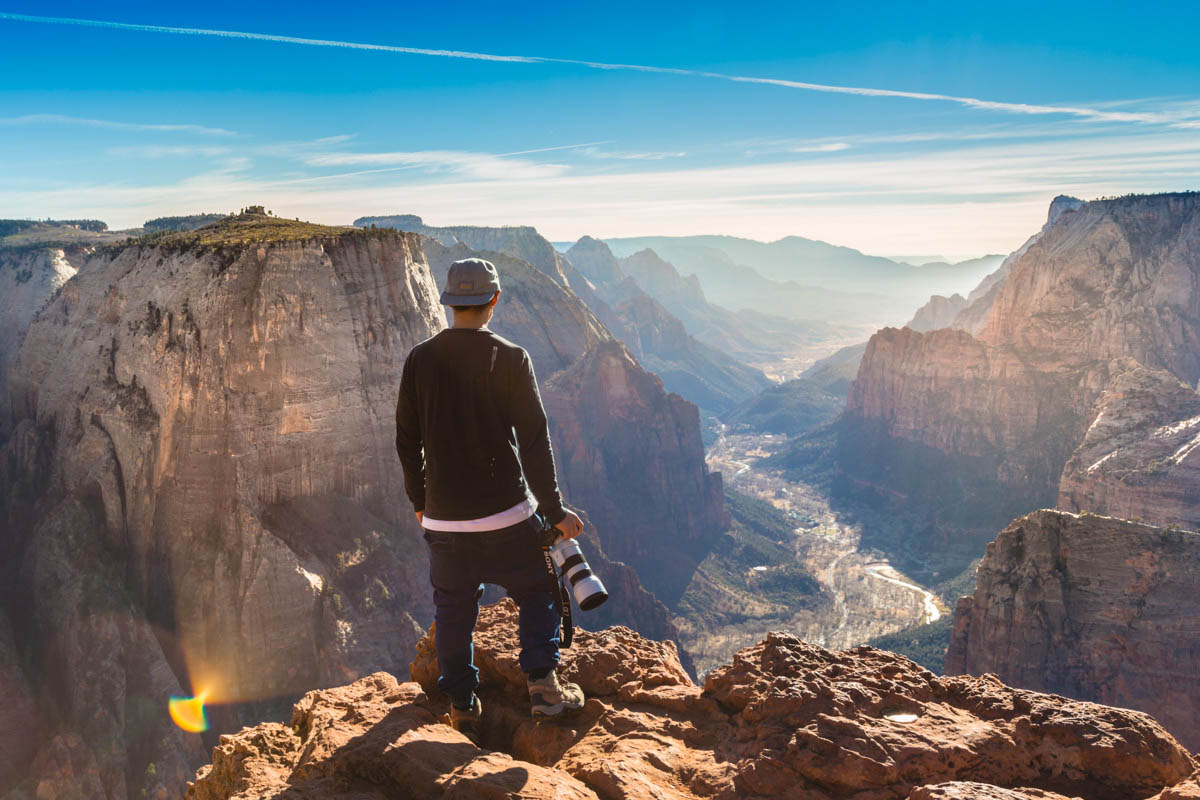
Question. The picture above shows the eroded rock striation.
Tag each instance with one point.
(1091, 607)
(784, 720)
(1140, 457)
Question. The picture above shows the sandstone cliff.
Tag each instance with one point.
(995, 416)
(784, 720)
(1091, 607)
(200, 483)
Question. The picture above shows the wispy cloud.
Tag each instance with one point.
(156, 151)
(616, 155)
(155, 127)
(828, 147)
(483, 166)
(479, 166)
(981, 197)
(1093, 114)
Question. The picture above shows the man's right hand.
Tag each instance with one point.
(570, 526)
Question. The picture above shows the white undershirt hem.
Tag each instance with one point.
(493, 522)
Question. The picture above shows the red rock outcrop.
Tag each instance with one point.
(784, 720)
(1091, 607)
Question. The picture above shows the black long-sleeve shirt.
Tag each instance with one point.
(468, 403)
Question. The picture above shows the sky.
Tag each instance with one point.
(904, 129)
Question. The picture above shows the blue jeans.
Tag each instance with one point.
(459, 565)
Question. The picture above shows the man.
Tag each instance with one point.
(468, 405)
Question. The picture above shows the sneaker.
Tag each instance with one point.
(550, 697)
(466, 721)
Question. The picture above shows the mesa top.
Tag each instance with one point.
(471, 430)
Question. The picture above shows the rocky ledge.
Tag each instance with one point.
(785, 719)
(1093, 607)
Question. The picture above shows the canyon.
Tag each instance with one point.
(200, 493)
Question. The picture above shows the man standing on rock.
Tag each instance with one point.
(474, 443)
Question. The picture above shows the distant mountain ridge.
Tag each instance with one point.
(811, 263)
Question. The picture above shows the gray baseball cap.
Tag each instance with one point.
(471, 282)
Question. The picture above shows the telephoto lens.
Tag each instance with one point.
(588, 590)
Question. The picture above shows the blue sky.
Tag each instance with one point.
(916, 128)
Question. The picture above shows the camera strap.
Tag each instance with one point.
(564, 599)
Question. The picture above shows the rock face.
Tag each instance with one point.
(1140, 457)
(20, 721)
(998, 414)
(784, 720)
(596, 262)
(1091, 607)
(28, 280)
(520, 241)
(939, 312)
(200, 482)
(631, 454)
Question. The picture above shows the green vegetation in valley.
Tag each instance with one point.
(758, 516)
(809, 457)
(731, 604)
(791, 408)
(924, 644)
(960, 585)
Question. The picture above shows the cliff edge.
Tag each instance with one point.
(785, 719)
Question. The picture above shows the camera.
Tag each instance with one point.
(568, 557)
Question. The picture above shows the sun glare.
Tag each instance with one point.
(188, 712)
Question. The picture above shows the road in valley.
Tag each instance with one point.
(868, 597)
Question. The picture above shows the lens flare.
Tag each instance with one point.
(188, 712)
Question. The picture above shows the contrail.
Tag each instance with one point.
(105, 123)
(1091, 114)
